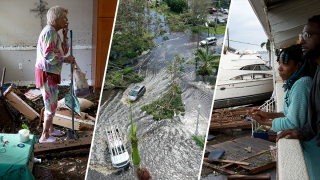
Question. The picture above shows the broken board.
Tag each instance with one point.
(230, 119)
(60, 146)
(14, 97)
(259, 158)
(63, 118)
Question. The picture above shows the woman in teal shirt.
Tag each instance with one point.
(294, 70)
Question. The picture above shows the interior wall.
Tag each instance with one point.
(20, 30)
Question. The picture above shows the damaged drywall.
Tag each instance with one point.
(18, 39)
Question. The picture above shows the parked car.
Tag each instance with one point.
(219, 20)
(225, 11)
(136, 93)
(117, 150)
(212, 9)
(209, 40)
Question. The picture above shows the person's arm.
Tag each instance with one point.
(263, 117)
(306, 131)
(298, 109)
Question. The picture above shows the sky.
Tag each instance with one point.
(244, 26)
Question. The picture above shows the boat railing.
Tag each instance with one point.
(268, 106)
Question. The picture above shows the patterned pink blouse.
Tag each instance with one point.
(51, 51)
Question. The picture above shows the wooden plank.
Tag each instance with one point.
(234, 150)
(263, 168)
(248, 149)
(230, 125)
(227, 161)
(217, 168)
(257, 177)
(60, 146)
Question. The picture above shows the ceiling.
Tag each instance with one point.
(283, 20)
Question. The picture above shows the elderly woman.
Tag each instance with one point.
(51, 51)
(294, 70)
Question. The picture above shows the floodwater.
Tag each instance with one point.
(166, 147)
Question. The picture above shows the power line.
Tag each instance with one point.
(245, 43)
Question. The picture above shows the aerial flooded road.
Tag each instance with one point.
(166, 147)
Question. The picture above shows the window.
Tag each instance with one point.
(256, 67)
(252, 76)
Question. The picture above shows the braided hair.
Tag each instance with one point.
(293, 52)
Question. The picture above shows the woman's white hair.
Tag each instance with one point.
(55, 13)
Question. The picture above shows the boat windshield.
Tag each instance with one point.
(133, 93)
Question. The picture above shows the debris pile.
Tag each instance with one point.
(230, 119)
(238, 160)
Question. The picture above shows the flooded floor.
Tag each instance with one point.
(166, 147)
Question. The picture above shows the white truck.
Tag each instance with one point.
(118, 152)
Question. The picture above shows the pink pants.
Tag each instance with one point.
(49, 92)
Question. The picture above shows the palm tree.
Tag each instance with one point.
(207, 61)
(268, 49)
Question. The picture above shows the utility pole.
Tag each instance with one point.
(215, 27)
(228, 38)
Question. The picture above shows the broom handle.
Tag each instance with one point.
(71, 86)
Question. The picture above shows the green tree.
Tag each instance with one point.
(135, 28)
(174, 70)
(207, 61)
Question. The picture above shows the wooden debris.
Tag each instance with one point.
(18, 100)
(90, 117)
(256, 177)
(63, 118)
(230, 119)
(217, 168)
(227, 161)
(235, 152)
(60, 146)
(248, 149)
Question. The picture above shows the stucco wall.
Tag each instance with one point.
(19, 33)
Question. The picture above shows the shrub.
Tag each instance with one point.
(130, 54)
(177, 5)
(127, 70)
(173, 104)
(195, 29)
(211, 24)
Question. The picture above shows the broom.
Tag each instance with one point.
(71, 101)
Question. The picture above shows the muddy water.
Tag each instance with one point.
(166, 147)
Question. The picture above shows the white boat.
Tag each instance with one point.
(118, 152)
(243, 78)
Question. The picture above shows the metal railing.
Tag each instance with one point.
(268, 106)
